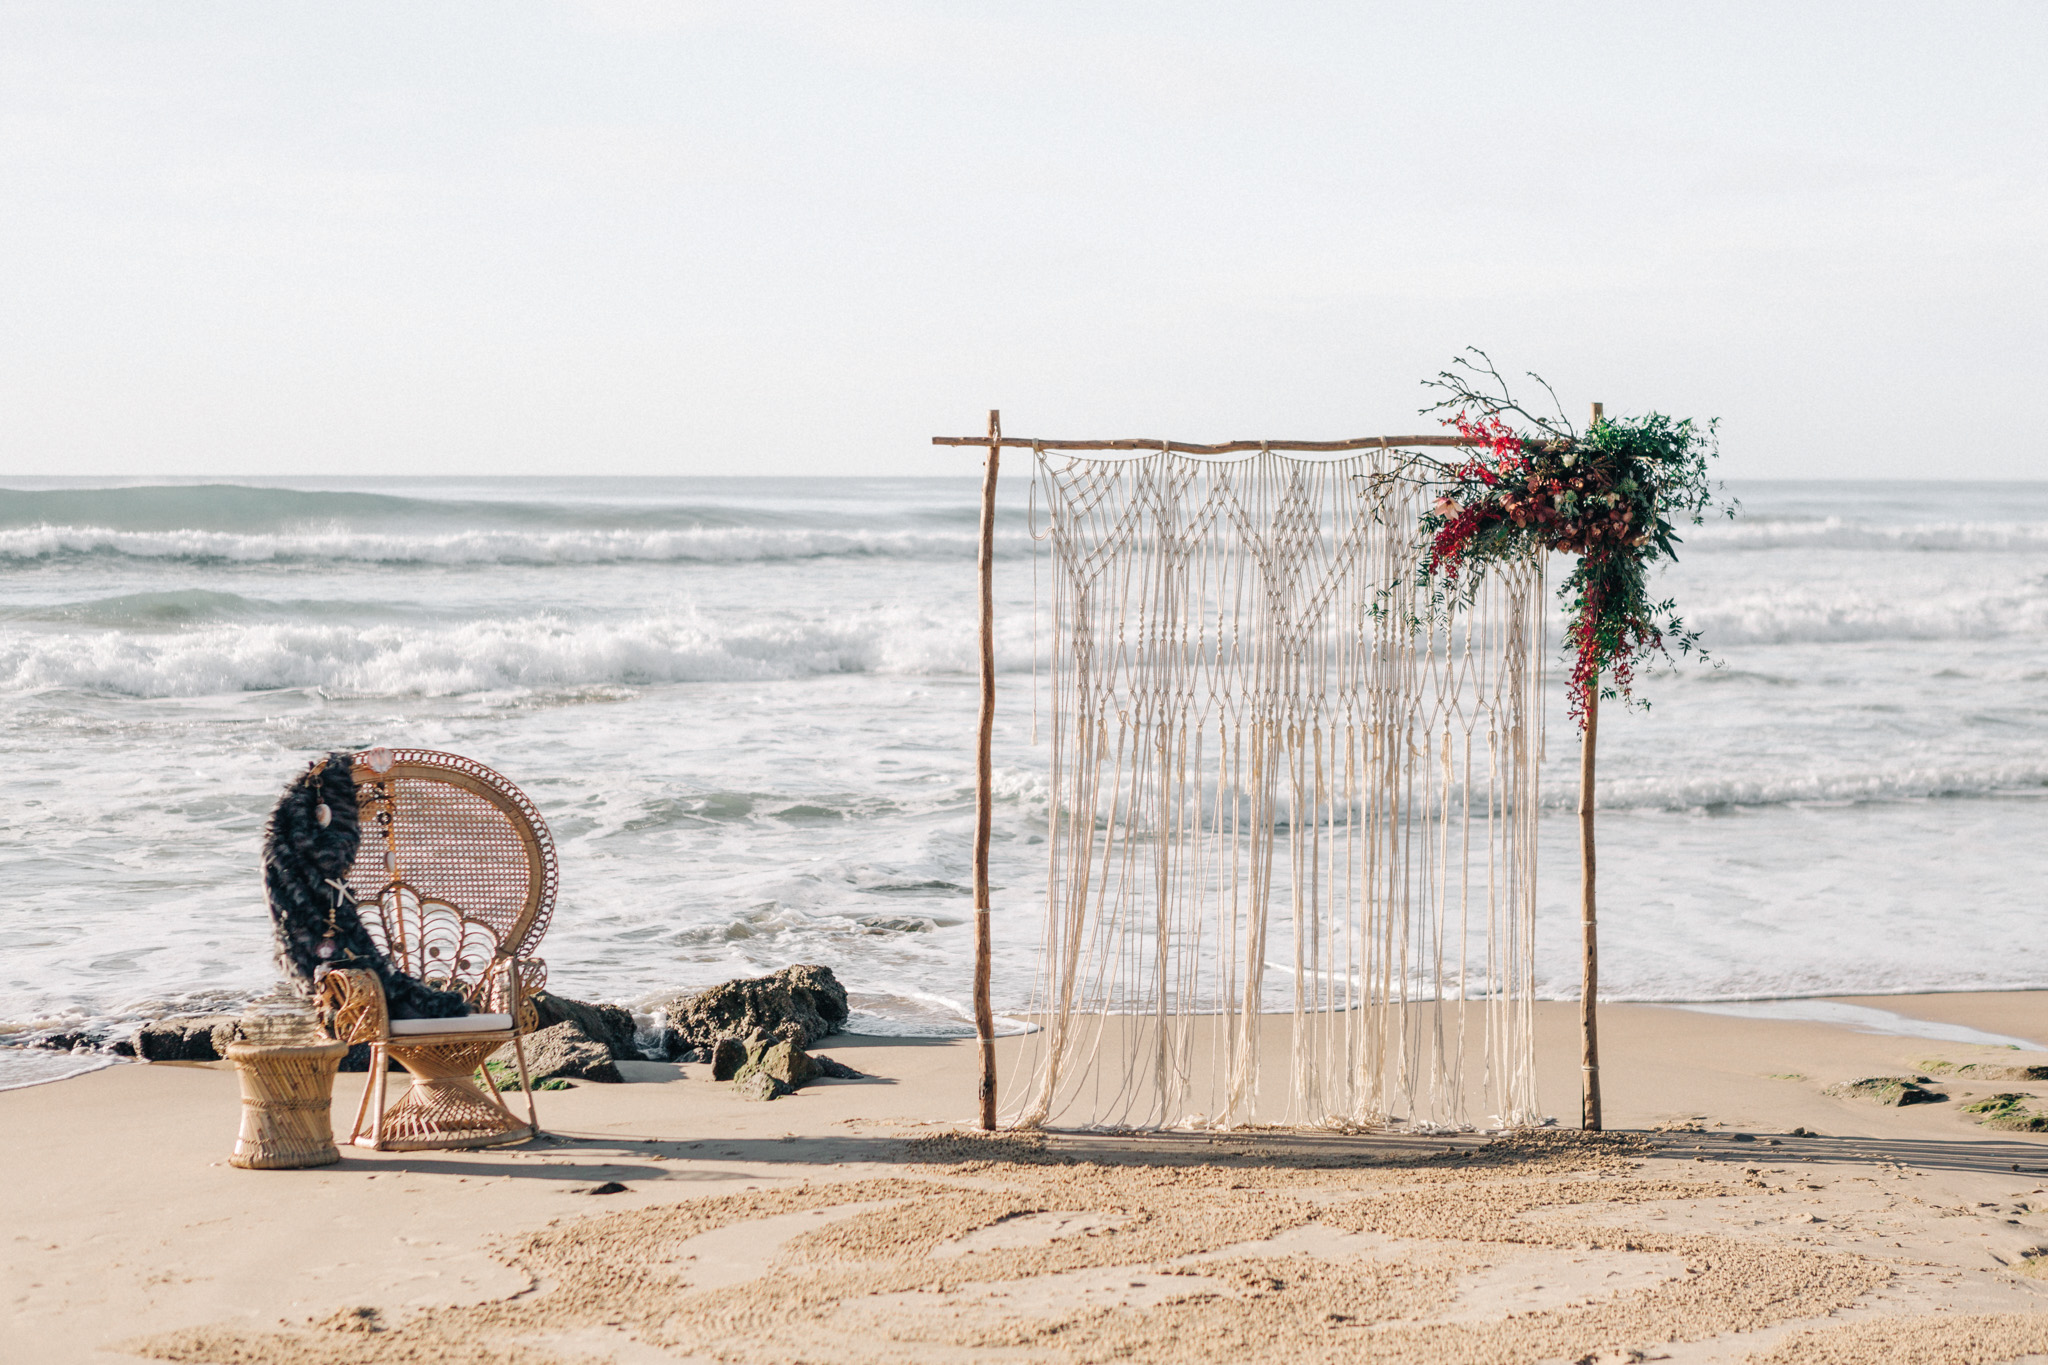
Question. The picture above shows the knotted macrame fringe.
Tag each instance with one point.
(1280, 780)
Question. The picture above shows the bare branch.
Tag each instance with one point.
(1463, 393)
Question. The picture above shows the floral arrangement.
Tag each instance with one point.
(1608, 495)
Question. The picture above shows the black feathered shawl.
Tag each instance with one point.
(315, 923)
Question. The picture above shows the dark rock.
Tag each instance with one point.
(62, 1042)
(2009, 1112)
(122, 1047)
(609, 1187)
(673, 1047)
(564, 1052)
(897, 924)
(800, 1004)
(185, 1038)
(783, 1060)
(759, 1085)
(835, 1070)
(1893, 1091)
(607, 1024)
(728, 1055)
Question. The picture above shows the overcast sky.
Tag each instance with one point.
(769, 237)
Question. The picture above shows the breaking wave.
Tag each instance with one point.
(1844, 533)
(578, 522)
(1793, 614)
(538, 653)
(699, 544)
(1908, 781)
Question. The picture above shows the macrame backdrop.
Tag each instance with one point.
(1273, 791)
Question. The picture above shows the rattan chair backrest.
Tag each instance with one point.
(456, 866)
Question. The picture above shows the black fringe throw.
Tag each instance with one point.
(316, 925)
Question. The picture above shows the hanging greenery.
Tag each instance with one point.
(1609, 495)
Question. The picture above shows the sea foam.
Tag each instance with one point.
(541, 652)
(707, 545)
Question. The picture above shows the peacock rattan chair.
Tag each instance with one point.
(455, 880)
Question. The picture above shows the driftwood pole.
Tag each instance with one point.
(984, 779)
(1589, 1034)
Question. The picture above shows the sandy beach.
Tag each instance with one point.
(1737, 1210)
(1246, 558)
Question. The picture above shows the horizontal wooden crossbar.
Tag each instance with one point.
(1224, 448)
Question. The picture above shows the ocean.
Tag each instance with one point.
(746, 707)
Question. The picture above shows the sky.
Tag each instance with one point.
(629, 237)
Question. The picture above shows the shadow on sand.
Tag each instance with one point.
(583, 1159)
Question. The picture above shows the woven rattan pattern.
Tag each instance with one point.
(450, 848)
(441, 1109)
(286, 1094)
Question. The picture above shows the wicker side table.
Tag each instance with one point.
(287, 1093)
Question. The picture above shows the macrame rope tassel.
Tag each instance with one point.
(1283, 779)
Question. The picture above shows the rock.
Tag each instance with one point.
(728, 1055)
(759, 1085)
(607, 1024)
(783, 1060)
(62, 1042)
(801, 1004)
(2009, 1112)
(1893, 1091)
(564, 1052)
(609, 1187)
(897, 924)
(780, 1059)
(1987, 1071)
(185, 1038)
(357, 1059)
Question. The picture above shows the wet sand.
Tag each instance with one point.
(856, 1221)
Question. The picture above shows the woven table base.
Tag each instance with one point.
(287, 1094)
(443, 1108)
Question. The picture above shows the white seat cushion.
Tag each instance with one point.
(467, 1023)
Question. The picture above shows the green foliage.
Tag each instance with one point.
(1612, 495)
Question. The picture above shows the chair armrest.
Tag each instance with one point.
(351, 1006)
(507, 988)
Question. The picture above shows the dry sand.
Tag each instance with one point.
(855, 1222)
